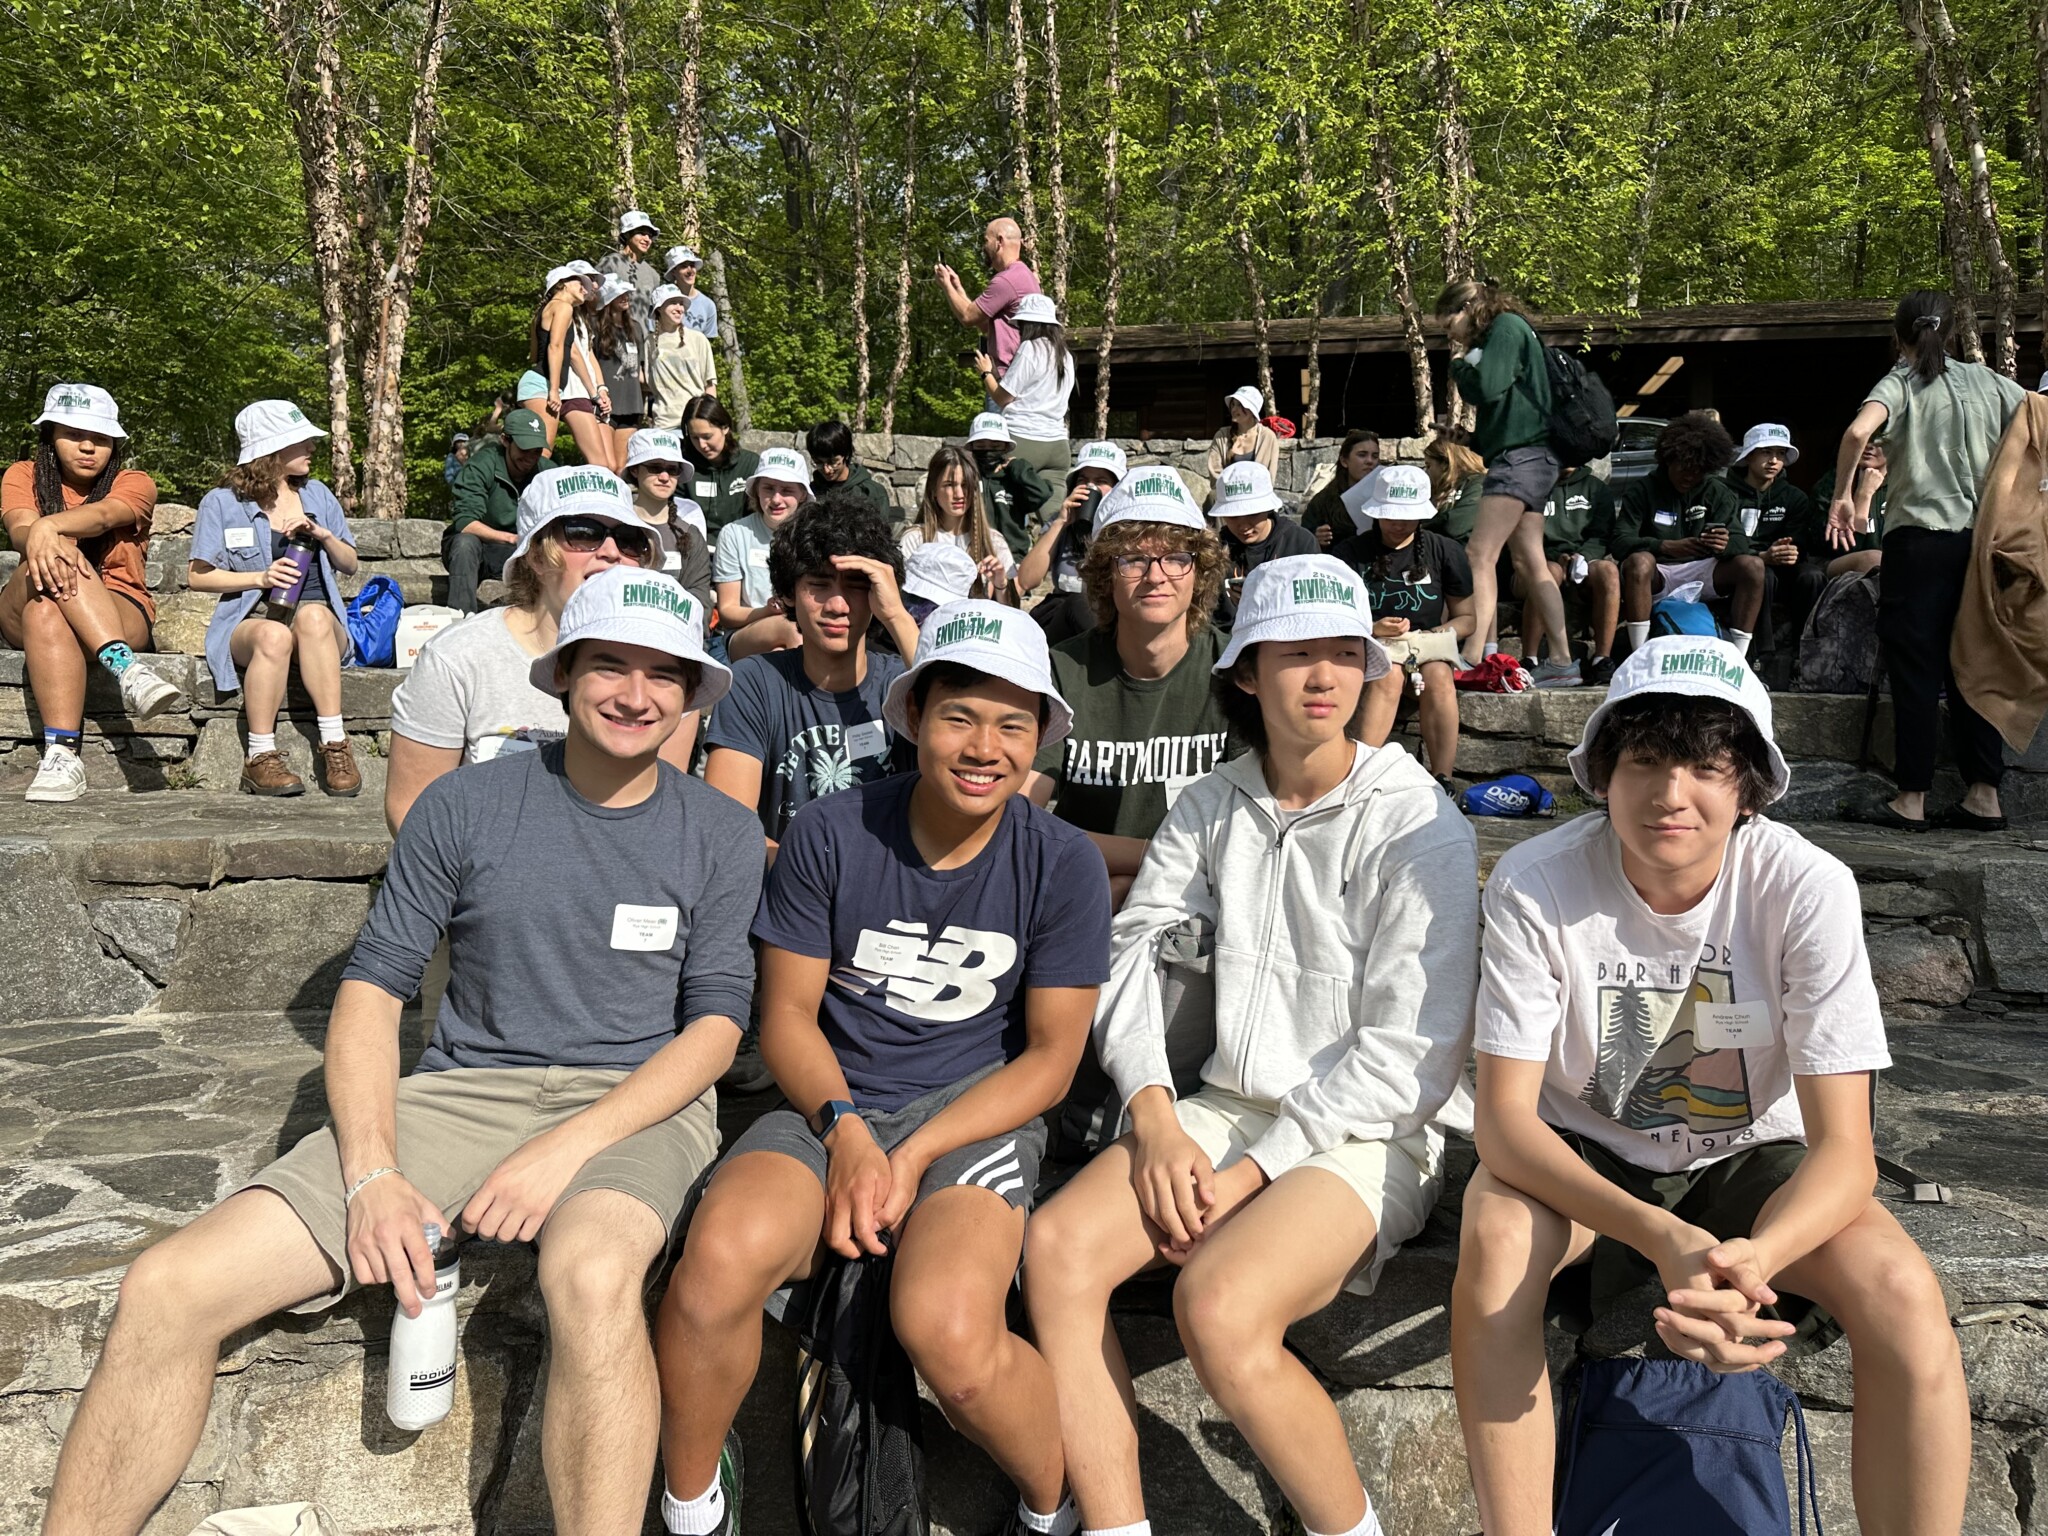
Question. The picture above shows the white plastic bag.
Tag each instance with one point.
(270, 1520)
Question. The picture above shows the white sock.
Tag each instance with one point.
(1064, 1521)
(264, 743)
(1369, 1526)
(1740, 638)
(330, 729)
(694, 1517)
(1491, 650)
(1142, 1528)
(1638, 634)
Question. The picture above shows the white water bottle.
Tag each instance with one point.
(421, 1388)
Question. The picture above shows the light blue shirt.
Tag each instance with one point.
(702, 315)
(234, 535)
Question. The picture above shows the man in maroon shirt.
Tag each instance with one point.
(1002, 249)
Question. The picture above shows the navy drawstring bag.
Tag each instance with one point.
(1669, 1448)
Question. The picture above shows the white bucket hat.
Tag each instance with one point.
(989, 427)
(680, 255)
(555, 278)
(1244, 489)
(1036, 309)
(1768, 434)
(1003, 643)
(1699, 667)
(581, 268)
(655, 445)
(667, 293)
(571, 490)
(1248, 397)
(939, 573)
(637, 607)
(611, 290)
(785, 465)
(1154, 493)
(86, 407)
(633, 219)
(1397, 492)
(1099, 455)
(1303, 597)
(269, 425)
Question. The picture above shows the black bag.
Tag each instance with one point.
(859, 1442)
(1583, 426)
(1839, 651)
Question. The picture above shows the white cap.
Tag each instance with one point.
(1244, 489)
(1303, 597)
(1398, 492)
(611, 290)
(939, 573)
(581, 268)
(1768, 434)
(269, 425)
(989, 427)
(667, 293)
(636, 607)
(679, 255)
(785, 465)
(633, 219)
(1099, 455)
(1004, 643)
(1036, 309)
(652, 445)
(1154, 493)
(571, 490)
(555, 278)
(1248, 397)
(1700, 667)
(86, 407)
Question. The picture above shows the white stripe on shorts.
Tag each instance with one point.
(973, 1175)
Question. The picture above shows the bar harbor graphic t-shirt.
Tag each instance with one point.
(1136, 743)
(930, 966)
(1672, 1040)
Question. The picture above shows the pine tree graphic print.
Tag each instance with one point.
(1651, 1072)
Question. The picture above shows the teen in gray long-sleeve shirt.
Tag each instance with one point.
(562, 948)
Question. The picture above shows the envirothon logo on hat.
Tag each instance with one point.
(1324, 590)
(967, 626)
(1157, 482)
(600, 482)
(1721, 666)
(663, 594)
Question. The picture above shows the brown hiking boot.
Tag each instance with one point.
(339, 774)
(267, 773)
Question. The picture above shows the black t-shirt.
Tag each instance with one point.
(1413, 582)
(1286, 538)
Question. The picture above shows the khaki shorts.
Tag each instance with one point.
(1424, 645)
(1397, 1180)
(454, 1127)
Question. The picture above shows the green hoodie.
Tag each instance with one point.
(1578, 519)
(721, 488)
(1510, 385)
(1652, 511)
(1012, 496)
(1782, 512)
(483, 491)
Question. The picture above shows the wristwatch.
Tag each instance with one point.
(829, 1114)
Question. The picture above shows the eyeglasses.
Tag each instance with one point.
(586, 535)
(661, 469)
(1174, 566)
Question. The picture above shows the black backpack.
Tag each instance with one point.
(859, 1442)
(1583, 426)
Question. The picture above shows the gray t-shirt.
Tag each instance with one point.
(578, 935)
(1940, 438)
(742, 556)
(470, 689)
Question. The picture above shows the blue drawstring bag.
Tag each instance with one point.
(1514, 794)
(1671, 616)
(373, 622)
(1667, 1446)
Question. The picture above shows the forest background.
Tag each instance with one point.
(351, 202)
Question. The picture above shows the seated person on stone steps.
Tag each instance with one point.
(1676, 1030)
(1337, 892)
(81, 592)
(1682, 523)
(596, 903)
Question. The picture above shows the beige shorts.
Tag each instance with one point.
(1397, 1180)
(1424, 645)
(454, 1127)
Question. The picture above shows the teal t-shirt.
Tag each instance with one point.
(1940, 440)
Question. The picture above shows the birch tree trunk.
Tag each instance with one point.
(901, 363)
(849, 123)
(625, 185)
(1983, 202)
(1112, 284)
(690, 196)
(1955, 214)
(1454, 148)
(1240, 234)
(1020, 132)
(1305, 161)
(384, 454)
(1671, 18)
(1055, 169)
(2039, 96)
(1416, 344)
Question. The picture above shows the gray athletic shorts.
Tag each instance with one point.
(1528, 474)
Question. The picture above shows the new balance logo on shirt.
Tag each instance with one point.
(941, 980)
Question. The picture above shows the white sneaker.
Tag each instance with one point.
(145, 695)
(60, 778)
(1556, 674)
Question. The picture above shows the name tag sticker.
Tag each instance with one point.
(888, 954)
(1665, 519)
(868, 739)
(672, 561)
(758, 557)
(704, 490)
(1731, 1026)
(238, 538)
(644, 928)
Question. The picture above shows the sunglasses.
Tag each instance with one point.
(586, 536)
(1175, 565)
(660, 469)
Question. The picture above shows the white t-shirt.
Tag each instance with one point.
(470, 689)
(1039, 411)
(913, 540)
(1638, 1013)
(742, 556)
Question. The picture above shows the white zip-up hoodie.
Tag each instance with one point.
(1346, 953)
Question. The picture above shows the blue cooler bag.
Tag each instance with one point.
(1668, 1448)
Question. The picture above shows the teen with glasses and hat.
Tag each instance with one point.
(468, 698)
(655, 465)
(595, 902)
(81, 592)
(486, 495)
(1334, 893)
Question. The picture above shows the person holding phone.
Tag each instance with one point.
(993, 311)
(1062, 545)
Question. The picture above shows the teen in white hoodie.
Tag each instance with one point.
(1336, 893)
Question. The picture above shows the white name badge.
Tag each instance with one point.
(1731, 1026)
(704, 490)
(1666, 519)
(672, 561)
(238, 538)
(888, 954)
(758, 558)
(868, 739)
(645, 928)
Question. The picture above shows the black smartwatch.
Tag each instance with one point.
(829, 1114)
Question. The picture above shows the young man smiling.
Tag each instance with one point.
(1675, 1032)
(931, 948)
(564, 1098)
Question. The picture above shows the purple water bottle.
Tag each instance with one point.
(300, 551)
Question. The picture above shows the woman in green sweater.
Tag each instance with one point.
(1502, 373)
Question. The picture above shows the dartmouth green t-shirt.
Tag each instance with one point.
(1135, 744)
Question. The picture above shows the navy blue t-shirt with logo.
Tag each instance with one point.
(930, 966)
